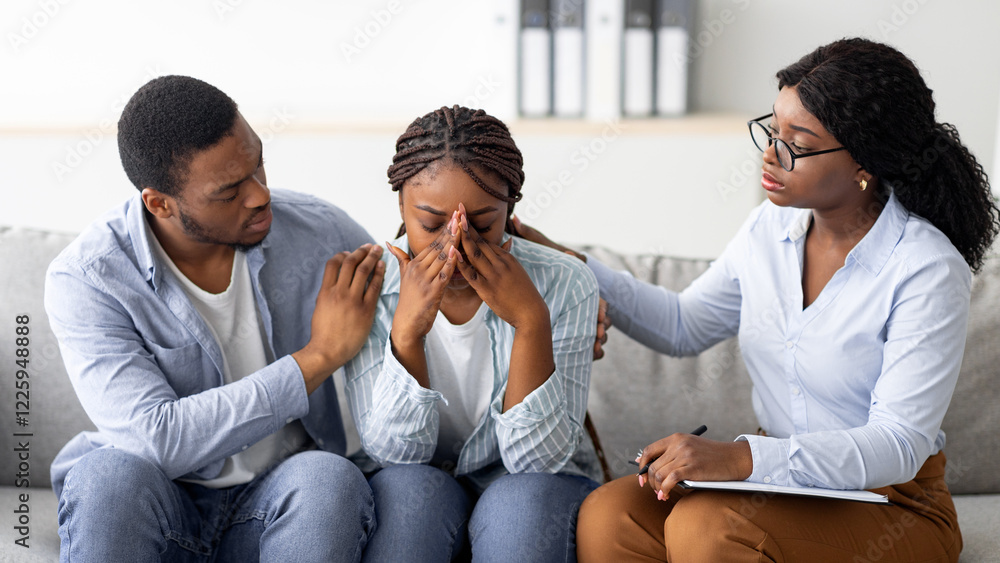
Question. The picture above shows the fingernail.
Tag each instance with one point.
(659, 495)
(465, 223)
(642, 480)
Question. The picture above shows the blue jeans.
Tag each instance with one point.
(426, 515)
(116, 506)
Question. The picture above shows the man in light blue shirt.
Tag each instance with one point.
(183, 320)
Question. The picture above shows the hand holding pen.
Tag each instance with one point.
(645, 468)
(677, 457)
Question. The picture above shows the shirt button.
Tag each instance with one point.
(796, 390)
(319, 441)
(789, 344)
(245, 448)
(289, 421)
(767, 478)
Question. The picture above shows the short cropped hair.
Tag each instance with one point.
(165, 123)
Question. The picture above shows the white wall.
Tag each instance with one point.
(329, 85)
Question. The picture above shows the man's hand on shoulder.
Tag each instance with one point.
(345, 309)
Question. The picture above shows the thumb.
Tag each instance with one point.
(517, 223)
(402, 257)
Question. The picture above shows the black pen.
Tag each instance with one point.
(645, 469)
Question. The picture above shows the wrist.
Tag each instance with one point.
(743, 459)
(534, 319)
(403, 343)
(315, 366)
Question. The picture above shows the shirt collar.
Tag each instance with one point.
(139, 233)
(878, 245)
(875, 248)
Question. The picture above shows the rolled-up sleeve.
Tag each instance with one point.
(396, 418)
(542, 432)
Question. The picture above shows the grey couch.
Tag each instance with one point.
(637, 396)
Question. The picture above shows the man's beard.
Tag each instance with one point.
(199, 233)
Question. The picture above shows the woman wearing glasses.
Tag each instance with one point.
(875, 217)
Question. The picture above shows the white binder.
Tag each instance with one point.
(638, 48)
(604, 24)
(536, 59)
(567, 57)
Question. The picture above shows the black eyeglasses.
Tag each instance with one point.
(786, 158)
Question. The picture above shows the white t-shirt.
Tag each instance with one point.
(460, 367)
(234, 321)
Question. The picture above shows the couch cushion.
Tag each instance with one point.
(979, 519)
(639, 396)
(973, 419)
(55, 413)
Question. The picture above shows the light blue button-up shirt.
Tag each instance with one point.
(145, 365)
(851, 390)
(397, 419)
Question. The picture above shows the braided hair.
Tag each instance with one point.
(474, 141)
(873, 100)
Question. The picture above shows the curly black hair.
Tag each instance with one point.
(467, 138)
(164, 123)
(873, 100)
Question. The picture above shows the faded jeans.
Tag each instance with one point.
(426, 515)
(116, 506)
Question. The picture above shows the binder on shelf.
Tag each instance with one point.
(497, 89)
(535, 59)
(567, 58)
(673, 35)
(638, 48)
(604, 25)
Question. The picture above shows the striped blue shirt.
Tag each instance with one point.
(852, 389)
(397, 419)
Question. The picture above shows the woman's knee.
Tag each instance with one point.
(705, 524)
(538, 490)
(326, 481)
(417, 483)
(537, 509)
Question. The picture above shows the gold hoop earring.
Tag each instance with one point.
(864, 185)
